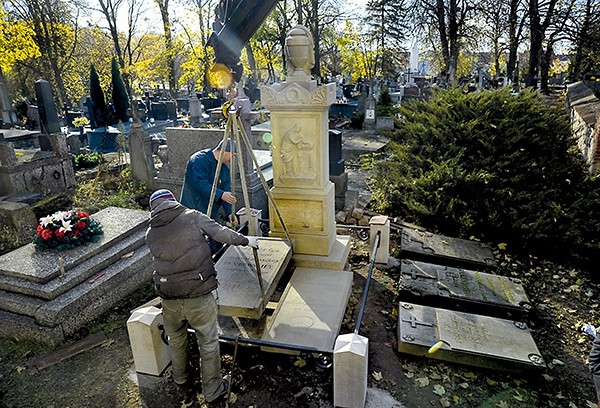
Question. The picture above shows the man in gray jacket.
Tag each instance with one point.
(184, 278)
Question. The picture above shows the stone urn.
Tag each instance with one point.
(299, 52)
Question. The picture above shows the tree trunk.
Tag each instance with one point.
(317, 41)
(545, 61)
(453, 37)
(163, 5)
(441, 21)
(513, 39)
(582, 38)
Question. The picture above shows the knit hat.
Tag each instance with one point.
(227, 146)
(159, 196)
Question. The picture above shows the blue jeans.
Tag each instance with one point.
(201, 314)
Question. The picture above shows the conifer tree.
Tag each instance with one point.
(99, 109)
(120, 98)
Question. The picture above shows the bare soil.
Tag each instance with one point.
(562, 298)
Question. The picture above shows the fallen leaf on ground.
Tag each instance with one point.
(439, 390)
(444, 402)
(377, 376)
(300, 362)
(422, 381)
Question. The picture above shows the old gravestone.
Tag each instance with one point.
(239, 289)
(462, 289)
(470, 339)
(44, 301)
(49, 122)
(424, 246)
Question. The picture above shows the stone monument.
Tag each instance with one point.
(8, 113)
(301, 189)
(49, 122)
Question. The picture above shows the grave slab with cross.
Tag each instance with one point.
(470, 339)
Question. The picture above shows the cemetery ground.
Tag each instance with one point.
(563, 298)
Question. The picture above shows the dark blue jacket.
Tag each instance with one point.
(198, 181)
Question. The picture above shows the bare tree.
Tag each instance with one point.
(450, 20)
(555, 33)
(583, 29)
(517, 17)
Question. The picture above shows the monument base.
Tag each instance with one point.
(309, 218)
(336, 260)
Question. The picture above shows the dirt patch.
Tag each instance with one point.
(562, 299)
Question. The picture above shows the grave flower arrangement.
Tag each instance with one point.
(66, 229)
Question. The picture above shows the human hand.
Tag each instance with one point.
(253, 242)
(228, 197)
(233, 220)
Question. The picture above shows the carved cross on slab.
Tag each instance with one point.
(414, 322)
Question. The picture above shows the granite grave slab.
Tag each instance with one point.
(470, 339)
(43, 266)
(239, 289)
(425, 246)
(462, 289)
(74, 276)
(48, 306)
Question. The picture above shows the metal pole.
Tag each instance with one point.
(367, 284)
(264, 184)
(237, 128)
(213, 190)
(273, 344)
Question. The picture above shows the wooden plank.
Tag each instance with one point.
(311, 310)
(71, 350)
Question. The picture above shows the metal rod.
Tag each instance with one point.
(367, 284)
(213, 190)
(352, 226)
(265, 186)
(235, 349)
(237, 129)
(273, 344)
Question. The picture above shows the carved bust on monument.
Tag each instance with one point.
(300, 56)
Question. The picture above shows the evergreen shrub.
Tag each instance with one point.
(503, 168)
(385, 106)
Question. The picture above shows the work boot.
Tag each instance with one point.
(222, 398)
(187, 392)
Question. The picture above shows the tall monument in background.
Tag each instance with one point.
(300, 126)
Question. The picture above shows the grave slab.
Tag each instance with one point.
(470, 339)
(74, 276)
(462, 289)
(425, 246)
(42, 266)
(311, 310)
(239, 289)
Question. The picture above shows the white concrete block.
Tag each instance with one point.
(380, 223)
(150, 353)
(350, 370)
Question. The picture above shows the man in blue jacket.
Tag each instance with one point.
(198, 180)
